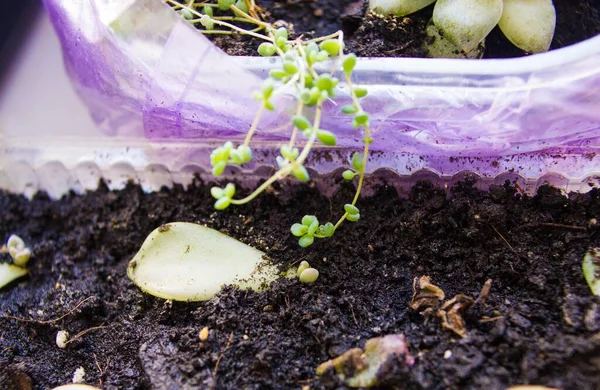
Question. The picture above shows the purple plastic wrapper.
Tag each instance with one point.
(154, 83)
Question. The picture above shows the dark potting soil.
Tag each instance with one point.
(540, 323)
(369, 35)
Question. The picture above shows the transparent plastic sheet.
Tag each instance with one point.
(164, 96)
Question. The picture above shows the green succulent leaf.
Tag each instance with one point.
(306, 240)
(223, 203)
(299, 230)
(322, 56)
(327, 230)
(331, 46)
(281, 32)
(241, 5)
(245, 153)
(207, 10)
(360, 92)
(357, 161)
(308, 220)
(353, 217)
(326, 137)
(217, 192)
(398, 7)
(290, 67)
(349, 63)
(466, 23)
(229, 190)
(529, 24)
(290, 154)
(348, 174)
(351, 209)
(362, 118)
(277, 74)
(187, 14)
(301, 122)
(349, 109)
(301, 173)
(225, 4)
(219, 168)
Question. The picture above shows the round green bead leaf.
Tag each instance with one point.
(327, 230)
(187, 14)
(223, 203)
(322, 56)
(357, 161)
(349, 109)
(266, 49)
(353, 217)
(301, 173)
(326, 137)
(229, 190)
(241, 5)
(217, 192)
(303, 265)
(306, 240)
(299, 230)
(281, 32)
(331, 46)
(219, 168)
(225, 4)
(308, 220)
(349, 63)
(301, 122)
(207, 10)
(290, 67)
(309, 275)
(348, 174)
(351, 209)
(312, 229)
(360, 92)
(245, 153)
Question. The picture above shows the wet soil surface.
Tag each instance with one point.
(540, 323)
(369, 35)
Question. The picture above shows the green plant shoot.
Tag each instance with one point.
(297, 74)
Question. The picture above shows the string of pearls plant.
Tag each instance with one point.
(311, 89)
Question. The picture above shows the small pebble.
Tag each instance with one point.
(447, 354)
(61, 339)
(79, 375)
(204, 334)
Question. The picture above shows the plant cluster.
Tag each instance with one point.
(299, 77)
(306, 274)
(20, 254)
(528, 24)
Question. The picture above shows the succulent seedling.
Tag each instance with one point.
(306, 274)
(20, 254)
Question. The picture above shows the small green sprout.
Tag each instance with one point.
(464, 24)
(309, 275)
(18, 251)
(591, 270)
(223, 196)
(20, 255)
(306, 274)
(303, 265)
(296, 76)
(310, 229)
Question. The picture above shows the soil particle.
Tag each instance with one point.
(539, 323)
